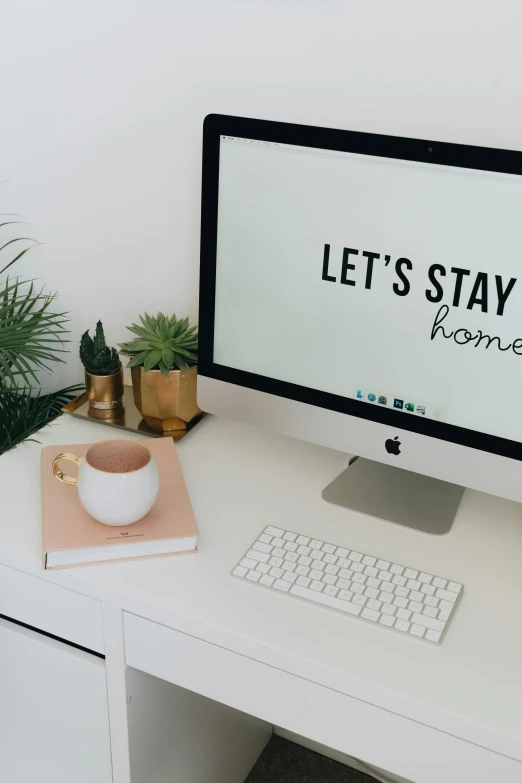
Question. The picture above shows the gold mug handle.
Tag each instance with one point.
(59, 474)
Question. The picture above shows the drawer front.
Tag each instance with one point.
(384, 739)
(48, 607)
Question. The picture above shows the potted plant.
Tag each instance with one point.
(163, 362)
(103, 371)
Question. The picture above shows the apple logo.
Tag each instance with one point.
(393, 446)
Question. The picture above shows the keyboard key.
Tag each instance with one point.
(388, 609)
(326, 600)
(253, 576)
(280, 585)
(316, 586)
(345, 595)
(425, 578)
(370, 561)
(403, 614)
(416, 596)
(357, 567)
(288, 566)
(430, 611)
(446, 595)
(383, 565)
(343, 583)
(315, 574)
(427, 589)
(246, 562)
(396, 569)
(318, 565)
(304, 561)
(240, 571)
(340, 552)
(360, 600)
(410, 573)
(415, 606)
(402, 625)
(343, 563)
(278, 542)
(357, 588)
(387, 619)
(303, 540)
(266, 580)
(371, 571)
(386, 598)
(402, 602)
(345, 573)
(433, 636)
(278, 552)
(385, 576)
(331, 590)
(329, 559)
(386, 587)
(372, 582)
(292, 557)
(262, 547)
(399, 580)
(264, 538)
(413, 584)
(304, 581)
(290, 546)
(263, 568)
(430, 600)
(371, 592)
(444, 614)
(417, 630)
(289, 577)
(274, 531)
(454, 587)
(302, 570)
(276, 561)
(426, 622)
(316, 554)
(332, 569)
(315, 544)
(329, 579)
(438, 582)
(370, 614)
(360, 578)
(289, 536)
(277, 572)
(329, 548)
(403, 592)
(356, 556)
(303, 550)
(373, 603)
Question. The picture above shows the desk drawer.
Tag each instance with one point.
(384, 739)
(47, 607)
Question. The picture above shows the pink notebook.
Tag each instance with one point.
(71, 537)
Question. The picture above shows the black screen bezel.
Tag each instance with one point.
(457, 155)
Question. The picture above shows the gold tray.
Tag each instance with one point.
(127, 417)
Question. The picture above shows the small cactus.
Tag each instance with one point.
(96, 356)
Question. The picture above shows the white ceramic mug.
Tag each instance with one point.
(117, 481)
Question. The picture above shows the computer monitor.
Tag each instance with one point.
(362, 292)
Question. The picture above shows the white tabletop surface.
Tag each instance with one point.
(240, 479)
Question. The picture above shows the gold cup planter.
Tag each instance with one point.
(104, 392)
(166, 402)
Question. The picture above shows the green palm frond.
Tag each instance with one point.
(22, 413)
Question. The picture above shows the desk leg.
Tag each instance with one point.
(116, 693)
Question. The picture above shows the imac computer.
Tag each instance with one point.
(362, 292)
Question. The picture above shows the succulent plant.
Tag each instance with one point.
(96, 356)
(162, 343)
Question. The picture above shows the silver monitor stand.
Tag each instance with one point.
(396, 495)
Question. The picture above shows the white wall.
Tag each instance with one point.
(101, 106)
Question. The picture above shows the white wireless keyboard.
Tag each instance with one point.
(387, 594)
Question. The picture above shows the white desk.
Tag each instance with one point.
(427, 713)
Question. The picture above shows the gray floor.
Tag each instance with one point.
(285, 762)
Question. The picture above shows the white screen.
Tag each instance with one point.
(279, 205)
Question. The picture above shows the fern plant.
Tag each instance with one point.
(95, 354)
(32, 337)
(162, 343)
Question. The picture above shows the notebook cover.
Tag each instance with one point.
(66, 524)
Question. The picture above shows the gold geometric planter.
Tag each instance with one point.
(166, 402)
(104, 392)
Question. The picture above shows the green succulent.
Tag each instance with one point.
(96, 356)
(162, 343)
